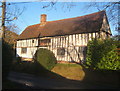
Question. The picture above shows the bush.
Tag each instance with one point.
(101, 54)
(46, 58)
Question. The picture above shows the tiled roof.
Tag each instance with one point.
(83, 24)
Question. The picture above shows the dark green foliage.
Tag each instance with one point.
(8, 53)
(7, 57)
(101, 54)
(46, 58)
(25, 67)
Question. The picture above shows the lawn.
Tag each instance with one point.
(69, 71)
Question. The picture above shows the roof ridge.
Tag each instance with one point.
(70, 18)
(77, 17)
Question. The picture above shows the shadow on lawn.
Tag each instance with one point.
(35, 68)
(91, 76)
(110, 77)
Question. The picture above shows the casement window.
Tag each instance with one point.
(45, 42)
(61, 51)
(24, 50)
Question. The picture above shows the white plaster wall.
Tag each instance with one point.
(105, 25)
(18, 52)
(30, 52)
(31, 48)
(71, 45)
(27, 43)
(103, 35)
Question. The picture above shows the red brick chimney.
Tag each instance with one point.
(43, 18)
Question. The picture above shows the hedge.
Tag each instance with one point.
(101, 54)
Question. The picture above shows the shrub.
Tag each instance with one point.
(101, 54)
(46, 58)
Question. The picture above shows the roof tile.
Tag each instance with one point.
(83, 24)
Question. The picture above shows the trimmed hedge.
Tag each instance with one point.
(46, 58)
(101, 54)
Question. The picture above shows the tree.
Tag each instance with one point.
(9, 14)
(10, 36)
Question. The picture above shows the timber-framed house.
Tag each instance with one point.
(66, 38)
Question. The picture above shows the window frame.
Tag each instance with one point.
(23, 50)
(33, 41)
(61, 51)
(44, 42)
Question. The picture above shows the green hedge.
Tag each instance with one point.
(7, 58)
(46, 58)
(101, 54)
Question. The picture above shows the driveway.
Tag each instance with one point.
(36, 82)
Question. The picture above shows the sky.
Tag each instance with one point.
(61, 10)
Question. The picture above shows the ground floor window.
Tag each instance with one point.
(24, 50)
(61, 51)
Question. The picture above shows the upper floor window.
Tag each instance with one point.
(45, 42)
(33, 41)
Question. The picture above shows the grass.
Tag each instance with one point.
(69, 71)
(68, 65)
